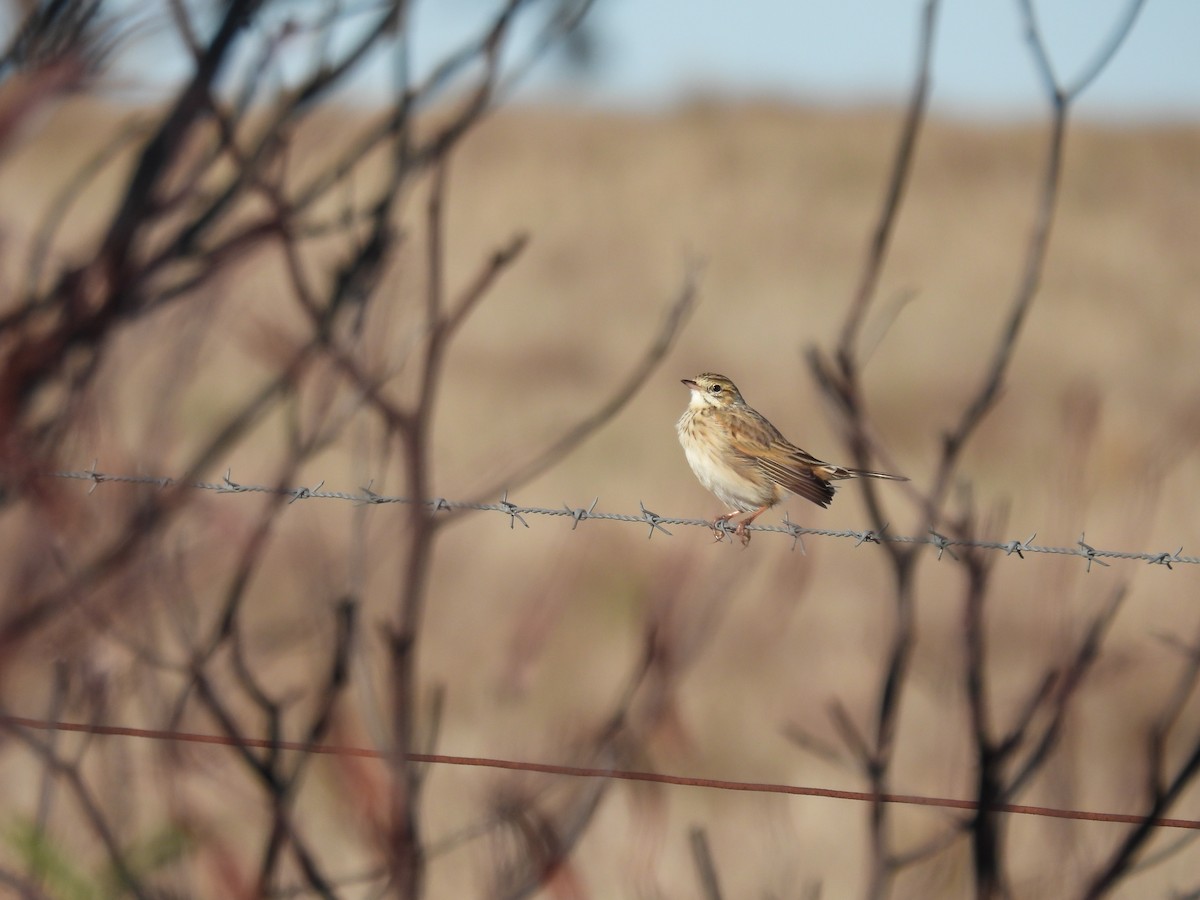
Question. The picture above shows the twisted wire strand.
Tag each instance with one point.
(654, 522)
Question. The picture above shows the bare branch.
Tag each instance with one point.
(893, 197)
(625, 391)
(1121, 30)
(93, 814)
(706, 868)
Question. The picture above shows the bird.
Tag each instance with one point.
(744, 460)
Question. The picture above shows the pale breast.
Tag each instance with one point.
(732, 481)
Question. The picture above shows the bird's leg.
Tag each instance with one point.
(741, 531)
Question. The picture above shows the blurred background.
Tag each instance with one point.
(478, 256)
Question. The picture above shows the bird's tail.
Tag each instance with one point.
(843, 472)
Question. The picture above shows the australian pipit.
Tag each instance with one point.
(744, 460)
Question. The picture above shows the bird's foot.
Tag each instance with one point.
(741, 532)
(720, 527)
(742, 527)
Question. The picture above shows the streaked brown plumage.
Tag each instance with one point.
(744, 460)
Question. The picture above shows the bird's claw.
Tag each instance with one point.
(741, 532)
(720, 527)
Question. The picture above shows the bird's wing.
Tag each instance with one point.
(796, 474)
(784, 463)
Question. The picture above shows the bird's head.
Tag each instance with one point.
(712, 390)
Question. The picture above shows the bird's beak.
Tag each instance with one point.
(691, 384)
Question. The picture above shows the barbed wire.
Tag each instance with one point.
(576, 771)
(655, 523)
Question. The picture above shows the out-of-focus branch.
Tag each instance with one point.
(985, 398)
(406, 851)
(85, 304)
(418, 160)
(1051, 83)
(1123, 858)
(93, 814)
(62, 205)
(993, 757)
(840, 382)
(190, 213)
(1035, 256)
(1058, 697)
(24, 888)
(547, 818)
(1164, 786)
(985, 828)
(625, 391)
(682, 618)
(60, 48)
(902, 163)
(161, 150)
(706, 867)
(150, 515)
(277, 776)
(268, 776)
(482, 282)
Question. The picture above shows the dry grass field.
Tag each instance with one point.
(533, 634)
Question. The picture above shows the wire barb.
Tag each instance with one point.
(1019, 548)
(870, 536)
(1165, 559)
(369, 496)
(229, 486)
(942, 543)
(796, 532)
(653, 519)
(97, 478)
(1090, 553)
(514, 512)
(304, 493)
(580, 513)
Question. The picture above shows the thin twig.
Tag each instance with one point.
(706, 867)
(617, 400)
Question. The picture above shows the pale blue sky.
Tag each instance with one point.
(655, 52)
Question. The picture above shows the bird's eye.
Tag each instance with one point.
(715, 389)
